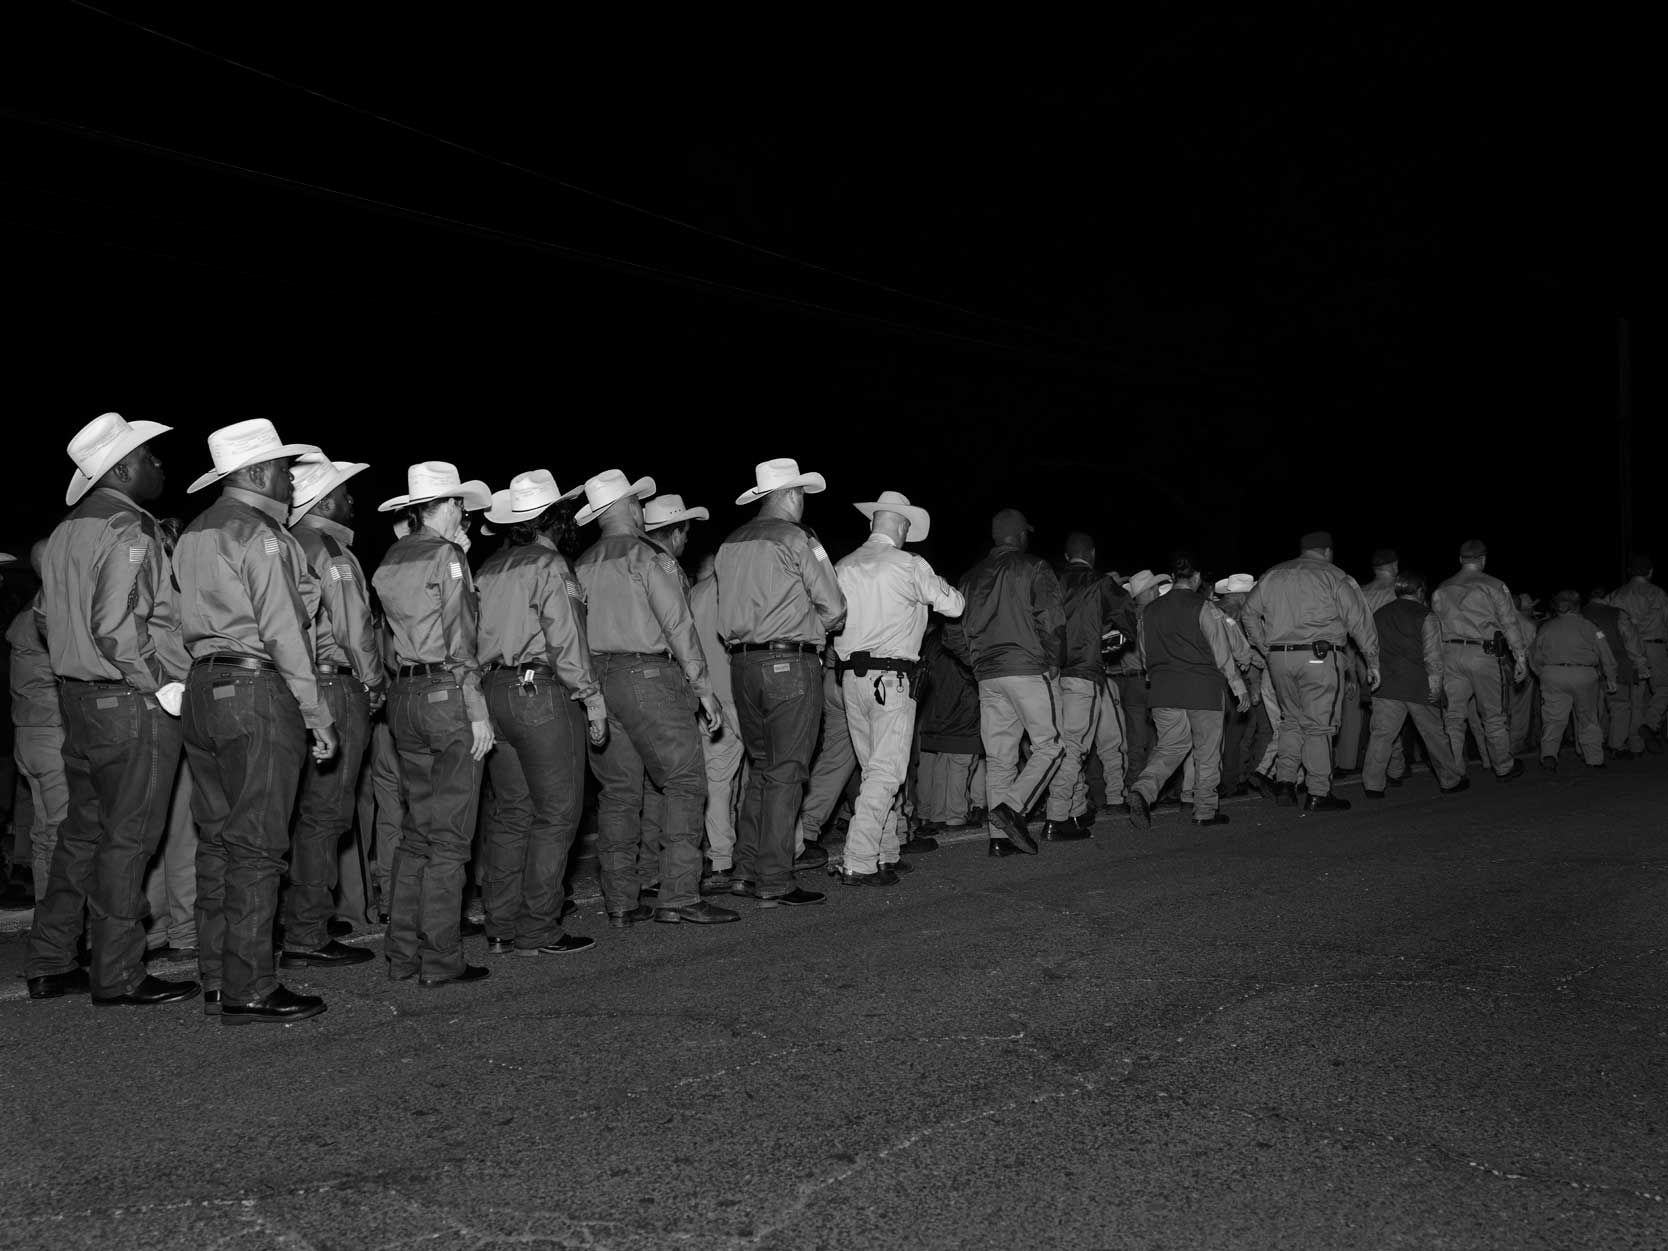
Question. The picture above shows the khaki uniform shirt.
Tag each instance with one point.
(1378, 593)
(245, 590)
(776, 584)
(428, 596)
(1647, 604)
(111, 611)
(888, 594)
(533, 612)
(1570, 639)
(343, 633)
(1473, 605)
(34, 688)
(703, 606)
(1308, 600)
(636, 604)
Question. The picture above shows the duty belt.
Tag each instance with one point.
(417, 671)
(234, 661)
(1488, 647)
(776, 645)
(1321, 647)
(862, 664)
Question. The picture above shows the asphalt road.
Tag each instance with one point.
(1438, 1022)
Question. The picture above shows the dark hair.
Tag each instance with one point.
(418, 514)
(1181, 567)
(1640, 565)
(1410, 582)
(556, 522)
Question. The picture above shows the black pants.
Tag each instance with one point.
(323, 814)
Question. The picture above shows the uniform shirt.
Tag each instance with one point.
(1473, 605)
(703, 606)
(1309, 600)
(342, 632)
(428, 596)
(533, 611)
(776, 584)
(1647, 604)
(34, 688)
(1614, 624)
(1570, 639)
(1014, 624)
(111, 611)
(1379, 592)
(888, 593)
(245, 590)
(636, 604)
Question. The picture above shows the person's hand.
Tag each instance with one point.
(171, 696)
(375, 700)
(596, 724)
(1244, 704)
(1520, 671)
(1374, 677)
(1436, 689)
(712, 712)
(1610, 688)
(482, 739)
(325, 743)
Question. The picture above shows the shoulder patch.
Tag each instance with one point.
(456, 569)
(341, 571)
(270, 544)
(818, 552)
(136, 553)
(666, 563)
(574, 590)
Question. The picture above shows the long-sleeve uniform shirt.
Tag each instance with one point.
(245, 591)
(34, 689)
(109, 609)
(703, 606)
(888, 594)
(533, 612)
(428, 596)
(343, 632)
(776, 584)
(1309, 600)
(1647, 604)
(1636, 666)
(1472, 605)
(635, 603)
(1014, 624)
(1570, 639)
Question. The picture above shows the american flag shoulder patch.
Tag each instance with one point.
(817, 550)
(666, 563)
(271, 544)
(136, 553)
(457, 569)
(341, 572)
(575, 591)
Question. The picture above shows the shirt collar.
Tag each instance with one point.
(123, 496)
(271, 507)
(334, 529)
(884, 540)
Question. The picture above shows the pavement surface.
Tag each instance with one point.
(1432, 1022)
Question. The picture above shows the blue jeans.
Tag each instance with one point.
(778, 706)
(324, 814)
(246, 743)
(538, 784)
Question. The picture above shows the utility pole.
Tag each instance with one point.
(1624, 437)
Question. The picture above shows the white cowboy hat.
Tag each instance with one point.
(1145, 581)
(246, 443)
(6, 558)
(99, 444)
(437, 480)
(668, 510)
(778, 475)
(1235, 584)
(895, 502)
(609, 487)
(315, 476)
(529, 495)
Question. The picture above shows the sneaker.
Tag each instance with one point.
(795, 898)
(561, 947)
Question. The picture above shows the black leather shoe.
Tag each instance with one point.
(897, 866)
(338, 927)
(1012, 824)
(149, 992)
(1067, 831)
(500, 946)
(1464, 784)
(280, 1007)
(880, 877)
(795, 898)
(813, 857)
(1549, 764)
(471, 973)
(742, 887)
(1140, 815)
(1396, 779)
(702, 913)
(1220, 818)
(1001, 848)
(1265, 786)
(564, 945)
(1085, 820)
(920, 845)
(717, 882)
(977, 816)
(56, 985)
(1119, 809)
(1372, 794)
(649, 894)
(1516, 771)
(1325, 803)
(211, 1003)
(333, 955)
(630, 917)
(1285, 794)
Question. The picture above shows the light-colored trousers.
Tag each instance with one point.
(171, 882)
(1011, 708)
(1389, 715)
(943, 786)
(1619, 714)
(723, 759)
(1654, 710)
(1180, 731)
(1568, 690)
(39, 753)
(1310, 691)
(1089, 719)
(1472, 672)
(880, 713)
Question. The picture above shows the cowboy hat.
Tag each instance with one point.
(437, 480)
(528, 496)
(1235, 584)
(1146, 580)
(99, 444)
(315, 476)
(896, 502)
(778, 475)
(668, 510)
(246, 443)
(609, 487)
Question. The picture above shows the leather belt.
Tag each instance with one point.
(1568, 664)
(1467, 642)
(422, 670)
(637, 655)
(1308, 647)
(335, 671)
(536, 667)
(777, 645)
(232, 660)
(1653, 640)
(94, 681)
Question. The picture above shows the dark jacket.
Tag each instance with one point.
(948, 715)
(1182, 670)
(1013, 625)
(1410, 650)
(1093, 604)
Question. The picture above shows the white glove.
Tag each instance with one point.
(171, 697)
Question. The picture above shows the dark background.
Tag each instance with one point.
(1185, 281)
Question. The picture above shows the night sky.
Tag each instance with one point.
(1208, 283)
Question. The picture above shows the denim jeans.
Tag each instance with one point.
(442, 796)
(832, 766)
(246, 744)
(324, 813)
(171, 883)
(777, 704)
(120, 753)
(538, 785)
(381, 809)
(652, 742)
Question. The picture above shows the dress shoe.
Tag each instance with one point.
(1140, 813)
(1464, 784)
(281, 1006)
(149, 991)
(742, 887)
(1012, 824)
(500, 946)
(1325, 803)
(898, 866)
(470, 929)
(1285, 794)
(338, 927)
(1085, 820)
(630, 917)
(702, 913)
(715, 882)
(1372, 794)
(1265, 786)
(333, 955)
(920, 845)
(977, 816)
(795, 898)
(564, 945)
(813, 857)
(170, 952)
(470, 973)
(1065, 831)
(1549, 764)
(1216, 818)
(211, 1003)
(1002, 848)
(1516, 771)
(882, 876)
(55, 985)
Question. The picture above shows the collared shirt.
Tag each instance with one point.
(888, 594)
(34, 688)
(776, 584)
(634, 593)
(245, 590)
(1647, 604)
(111, 612)
(703, 606)
(1379, 592)
(533, 611)
(1569, 639)
(428, 595)
(342, 632)
(1308, 600)
(1473, 605)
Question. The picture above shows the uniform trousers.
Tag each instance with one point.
(1138, 735)
(382, 805)
(942, 788)
(538, 786)
(723, 757)
(777, 706)
(441, 785)
(246, 744)
(1089, 720)
(880, 712)
(1010, 708)
(1653, 711)
(38, 751)
(120, 753)
(1389, 716)
(324, 813)
(653, 742)
(1616, 715)
(831, 768)
(1566, 691)
(1471, 672)
(1182, 731)
(1310, 691)
(171, 883)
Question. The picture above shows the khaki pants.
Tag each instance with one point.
(1472, 672)
(39, 753)
(1389, 715)
(1568, 690)
(880, 712)
(1310, 691)
(1011, 708)
(1619, 714)
(1089, 720)
(1181, 731)
(942, 788)
(723, 756)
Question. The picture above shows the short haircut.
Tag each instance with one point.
(1473, 549)
(1640, 565)
(1079, 545)
(1409, 583)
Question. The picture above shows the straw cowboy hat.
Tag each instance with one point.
(896, 502)
(1235, 584)
(99, 444)
(668, 510)
(528, 496)
(609, 487)
(246, 443)
(778, 475)
(1146, 580)
(315, 476)
(437, 480)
